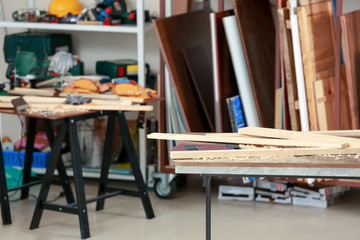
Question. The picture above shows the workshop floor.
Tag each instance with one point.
(184, 218)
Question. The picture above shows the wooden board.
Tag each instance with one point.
(223, 71)
(350, 24)
(325, 101)
(300, 161)
(289, 64)
(247, 140)
(317, 37)
(257, 33)
(179, 152)
(199, 67)
(307, 2)
(176, 34)
(278, 109)
(304, 136)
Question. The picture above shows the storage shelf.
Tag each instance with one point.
(75, 27)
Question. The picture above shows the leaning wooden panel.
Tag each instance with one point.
(350, 24)
(176, 34)
(292, 95)
(257, 33)
(317, 37)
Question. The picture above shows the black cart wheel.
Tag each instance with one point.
(166, 192)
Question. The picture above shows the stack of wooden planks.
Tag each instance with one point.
(41, 100)
(253, 146)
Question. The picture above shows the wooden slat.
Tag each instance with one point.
(304, 136)
(350, 24)
(50, 93)
(257, 33)
(289, 64)
(307, 2)
(278, 109)
(246, 140)
(82, 107)
(321, 110)
(284, 152)
(317, 36)
(300, 161)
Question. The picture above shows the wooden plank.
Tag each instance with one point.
(50, 93)
(325, 100)
(257, 33)
(304, 136)
(280, 152)
(224, 78)
(278, 109)
(317, 37)
(350, 24)
(289, 64)
(181, 6)
(176, 34)
(307, 2)
(82, 107)
(298, 161)
(246, 140)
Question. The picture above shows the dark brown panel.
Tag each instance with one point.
(176, 34)
(257, 33)
(350, 24)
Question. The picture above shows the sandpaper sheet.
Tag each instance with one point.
(257, 32)
(176, 34)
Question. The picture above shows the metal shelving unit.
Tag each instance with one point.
(139, 29)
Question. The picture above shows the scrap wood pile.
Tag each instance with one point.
(253, 145)
(36, 100)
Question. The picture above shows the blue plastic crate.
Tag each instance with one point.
(15, 158)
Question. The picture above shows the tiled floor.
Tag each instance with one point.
(183, 218)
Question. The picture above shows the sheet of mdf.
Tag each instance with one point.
(257, 31)
(176, 34)
(317, 38)
(225, 84)
(350, 24)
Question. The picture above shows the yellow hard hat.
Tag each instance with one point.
(61, 8)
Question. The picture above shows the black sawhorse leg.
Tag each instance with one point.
(207, 185)
(142, 191)
(4, 198)
(78, 207)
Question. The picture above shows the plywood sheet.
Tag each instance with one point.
(317, 37)
(257, 33)
(176, 34)
(350, 24)
(289, 64)
(223, 71)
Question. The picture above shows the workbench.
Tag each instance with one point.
(67, 124)
(296, 167)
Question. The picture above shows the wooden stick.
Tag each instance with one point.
(282, 152)
(294, 135)
(84, 107)
(246, 140)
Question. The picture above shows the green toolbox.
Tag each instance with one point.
(120, 68)
(42, 44)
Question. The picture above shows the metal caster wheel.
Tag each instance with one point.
(165, 190)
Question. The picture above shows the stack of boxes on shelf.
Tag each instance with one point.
(263, 190)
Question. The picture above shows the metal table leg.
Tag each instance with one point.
(30, 139)
(4, 198)
(207, 184)
(135, 165)
(106, 160)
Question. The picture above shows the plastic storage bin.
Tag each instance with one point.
(16, 158)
